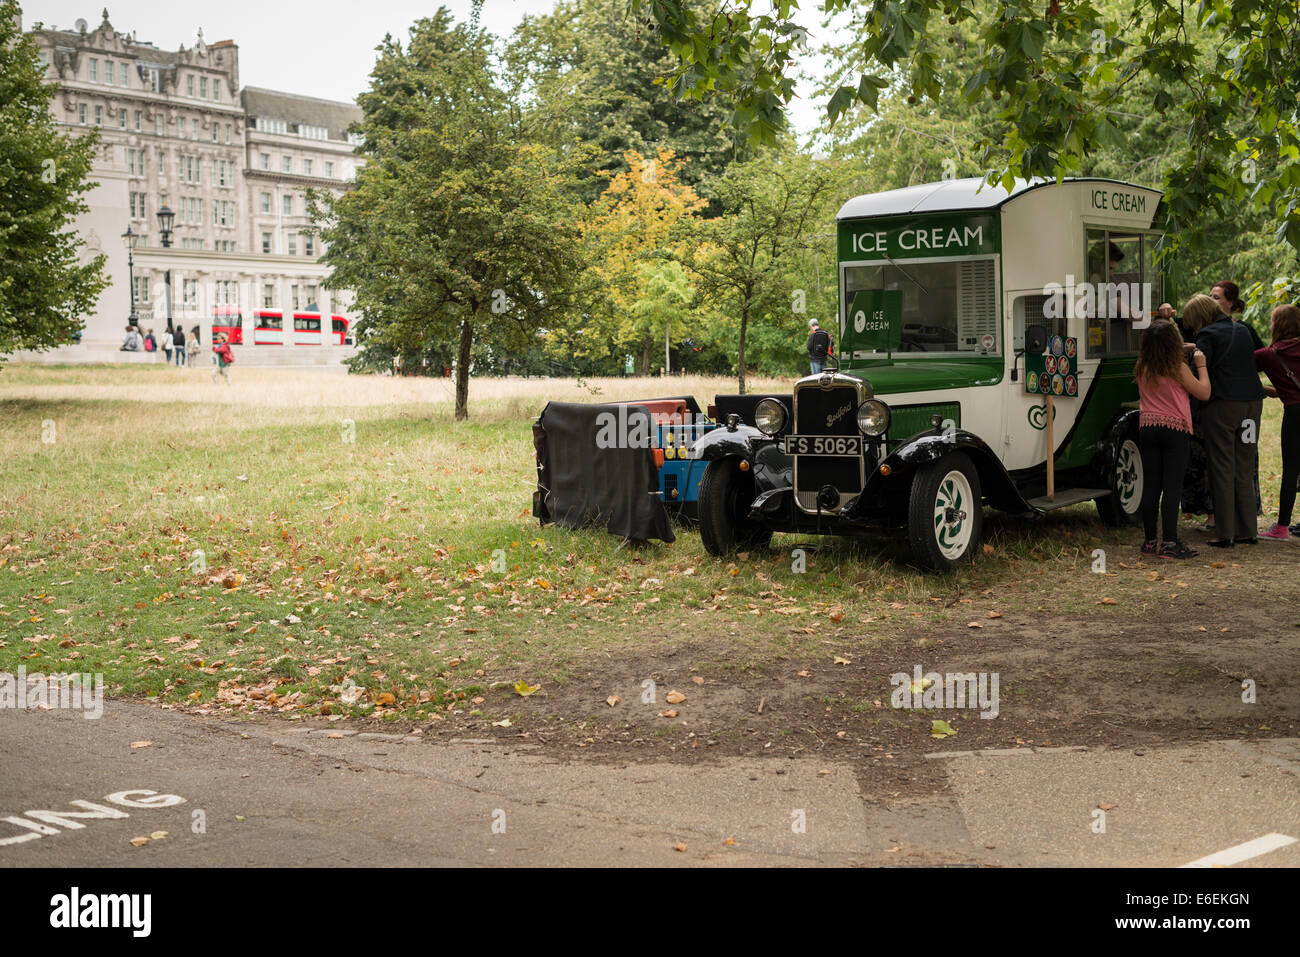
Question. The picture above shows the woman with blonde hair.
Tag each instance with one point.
(1230, 419)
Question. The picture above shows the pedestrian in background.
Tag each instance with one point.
(222, 358)
(167, 346)
(178, 343)
(1230, 419)
(819, 346)
(193, 344)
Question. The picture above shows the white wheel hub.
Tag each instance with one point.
(1128, 477)
(953, 521)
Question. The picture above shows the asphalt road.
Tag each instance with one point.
(272, 793)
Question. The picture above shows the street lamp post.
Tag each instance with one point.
(130, 238)
(165, 219)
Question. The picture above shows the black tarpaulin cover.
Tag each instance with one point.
(580, 485)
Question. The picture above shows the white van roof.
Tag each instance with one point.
(951, 195)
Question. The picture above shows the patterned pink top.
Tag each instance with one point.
(1164, 403)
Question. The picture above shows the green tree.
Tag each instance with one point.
(593, 64)
(44, 288)
(1057, 74)
(775, 211)
(462, 232)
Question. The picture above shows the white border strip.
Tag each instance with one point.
(1244, 852)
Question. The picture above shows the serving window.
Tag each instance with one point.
(1123, 288)
(949, 306)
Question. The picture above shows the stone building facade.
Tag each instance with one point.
(233, 164)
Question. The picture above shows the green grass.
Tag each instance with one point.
(165, 544)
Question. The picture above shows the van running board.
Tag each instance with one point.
(1068, 496)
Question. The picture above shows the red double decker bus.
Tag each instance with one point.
(269, 327)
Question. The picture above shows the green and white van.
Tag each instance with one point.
(952, 297)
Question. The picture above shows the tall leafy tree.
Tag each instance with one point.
(1056, 72)
(776, 210)
(462, 232)
(44, 286)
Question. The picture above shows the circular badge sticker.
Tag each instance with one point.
(1063, 365)
(1058, 345)
(1058, 384)
(1045, 384)
(1071, 347)
(1071, 385)
(1049, 363)
(987, 341)
(1032, 383)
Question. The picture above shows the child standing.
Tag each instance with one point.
(224, 357)
(1281, 362)
(1165, 427)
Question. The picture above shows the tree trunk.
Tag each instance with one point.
(647, 354)
(462, 368)
(740, 360)
(668, 360)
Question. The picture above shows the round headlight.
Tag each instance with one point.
(769, 416)
(873, 418)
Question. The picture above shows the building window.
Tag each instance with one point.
(329, 169)
(134, 162)
(203, 87)
(190, 292)
(142, 290)
(227, 293)
(153, 79)
(194, 128)
(216, 92)
(216, 129)
(286, 164)
(287, 201)
(137, 205)
(356, 139)
(189, 169)
(311, 294)
(108, 72)
(158, 124)
(189, 86)
(268, 295)
(227, 133)
(266, 245)
(122, 73)
(268, 125)
(308, 244)
(137, 120)
(94, 71)
(99, 116)
(81, 114)
(293, 244)
(306, 167)
(266, 202)
(121, 119)
(266, 160)
(162, 157)
(313, 132)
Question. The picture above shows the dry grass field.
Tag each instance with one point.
(311, 543)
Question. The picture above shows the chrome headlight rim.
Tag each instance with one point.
(769, 416)
(873, 418)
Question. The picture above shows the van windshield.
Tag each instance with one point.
(949, 306)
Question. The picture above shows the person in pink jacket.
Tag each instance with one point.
(1165, 425)
(224, 357)
(1281, 363)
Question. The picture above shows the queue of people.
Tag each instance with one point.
(1220, 399)
(175, 344)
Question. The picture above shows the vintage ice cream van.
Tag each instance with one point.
(986, 347)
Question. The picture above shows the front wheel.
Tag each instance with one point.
(725, 496)
(945, 514)
(1123, 506)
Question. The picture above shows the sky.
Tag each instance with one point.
(322, 48)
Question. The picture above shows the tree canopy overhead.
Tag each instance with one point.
(1056, 71)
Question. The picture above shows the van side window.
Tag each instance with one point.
(1122, 283)
(1035, 309)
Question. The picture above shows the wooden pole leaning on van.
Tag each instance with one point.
(1051, 451)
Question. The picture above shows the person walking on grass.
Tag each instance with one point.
(1230, 419)
(194, 344)
(178, 343)
(222, 359)
(819, 346)
(1281, 363)
(1165, 385)
(167, 342)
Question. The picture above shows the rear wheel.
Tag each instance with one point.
(1126, 481)
(725, 496)
(945, 514)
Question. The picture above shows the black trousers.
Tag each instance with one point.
(1290, 463)
(1232, 464)
(1164, 463)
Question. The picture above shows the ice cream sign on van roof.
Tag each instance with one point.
(1109, 199)
(918, 237)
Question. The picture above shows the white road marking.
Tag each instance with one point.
(1244, 852)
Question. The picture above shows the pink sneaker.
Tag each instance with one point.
(1277, 533)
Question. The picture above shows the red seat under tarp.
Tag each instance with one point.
(664, 411)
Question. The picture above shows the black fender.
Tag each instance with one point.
(772, 468)
(1124, 423)
(999, 488)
